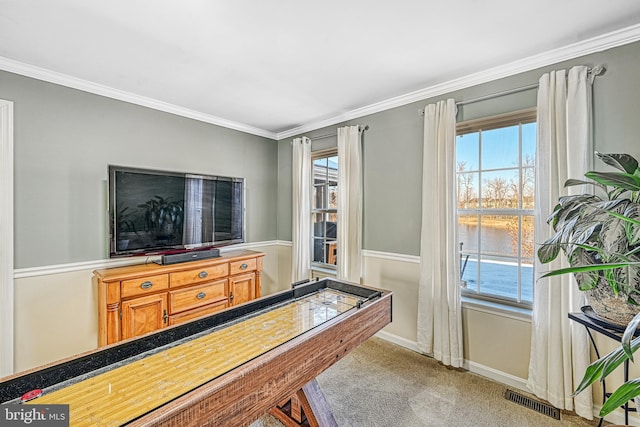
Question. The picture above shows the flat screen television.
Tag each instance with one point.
(160, 212)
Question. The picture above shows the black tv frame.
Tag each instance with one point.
(168, 249)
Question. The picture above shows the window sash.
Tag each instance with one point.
(322, 242)
(519, 213)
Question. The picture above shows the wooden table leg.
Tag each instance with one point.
(307, 407)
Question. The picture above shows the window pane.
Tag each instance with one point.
(319, 225)
(499, 278)
(528, 246)
(469, 272)
(500, 148)
(320, 163)
(527, 282)
(528, 188)
(331, 248)
(467, 152)
(499, 236)
(468, 233)
(467, 188)
(332, 164)
(529, 144)
(320, 171)
(319, 197)
(318, 251)
(333, 196)
(500, 190)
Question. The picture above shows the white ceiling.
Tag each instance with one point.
(275, 67)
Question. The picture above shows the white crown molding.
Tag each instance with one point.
(27, 70)
(596, 44)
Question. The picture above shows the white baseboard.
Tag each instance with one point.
(495, 375)
(476, 368)
(395, 339)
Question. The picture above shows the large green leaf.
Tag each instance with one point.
(574, 182)
(584, 232)
(616, 179)
(548, 251)
(613, 236)
(622, 395)
(585, 268)
(623, 162)
(604, 366)
(627, 337)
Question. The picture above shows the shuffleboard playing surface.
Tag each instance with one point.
(133, 388)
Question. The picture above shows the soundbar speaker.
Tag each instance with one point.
(189, 256)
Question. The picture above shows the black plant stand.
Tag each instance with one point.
(592, 322)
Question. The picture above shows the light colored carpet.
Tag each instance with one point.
(381, 384)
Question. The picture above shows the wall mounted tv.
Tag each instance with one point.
(159, 212)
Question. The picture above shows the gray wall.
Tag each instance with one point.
(64, 140)
(392, 147)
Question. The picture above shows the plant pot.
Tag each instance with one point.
(611, 307)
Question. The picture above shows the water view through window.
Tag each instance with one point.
(495, 180)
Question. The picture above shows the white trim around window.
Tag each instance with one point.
(6, 238)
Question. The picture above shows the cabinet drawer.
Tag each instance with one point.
(199, 275)
(144, 285)
(196, 296)
(207, 310)
(242, 266)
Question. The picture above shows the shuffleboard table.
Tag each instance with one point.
(227, 369)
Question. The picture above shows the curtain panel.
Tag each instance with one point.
(559, 347)
(439, 305)
(301, 215)
(349, 230)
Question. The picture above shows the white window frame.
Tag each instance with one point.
(315, 265)
(481, 125)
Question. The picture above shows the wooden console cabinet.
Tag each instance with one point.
(138, 299)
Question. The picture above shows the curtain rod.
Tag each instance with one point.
(330, 135)
(598, 70)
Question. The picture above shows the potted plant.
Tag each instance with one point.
(123, 227)
(601, 239)
(600, 236)
(163, 216)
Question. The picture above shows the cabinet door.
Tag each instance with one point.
(143, 315)
(242, 288)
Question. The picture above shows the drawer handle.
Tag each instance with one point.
(244, 267)
(201, 295)
(146, 285)
(203, 274)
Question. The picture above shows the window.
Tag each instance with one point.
(495, 178)
(324, 208)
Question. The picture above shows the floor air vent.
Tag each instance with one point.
(541, 407)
